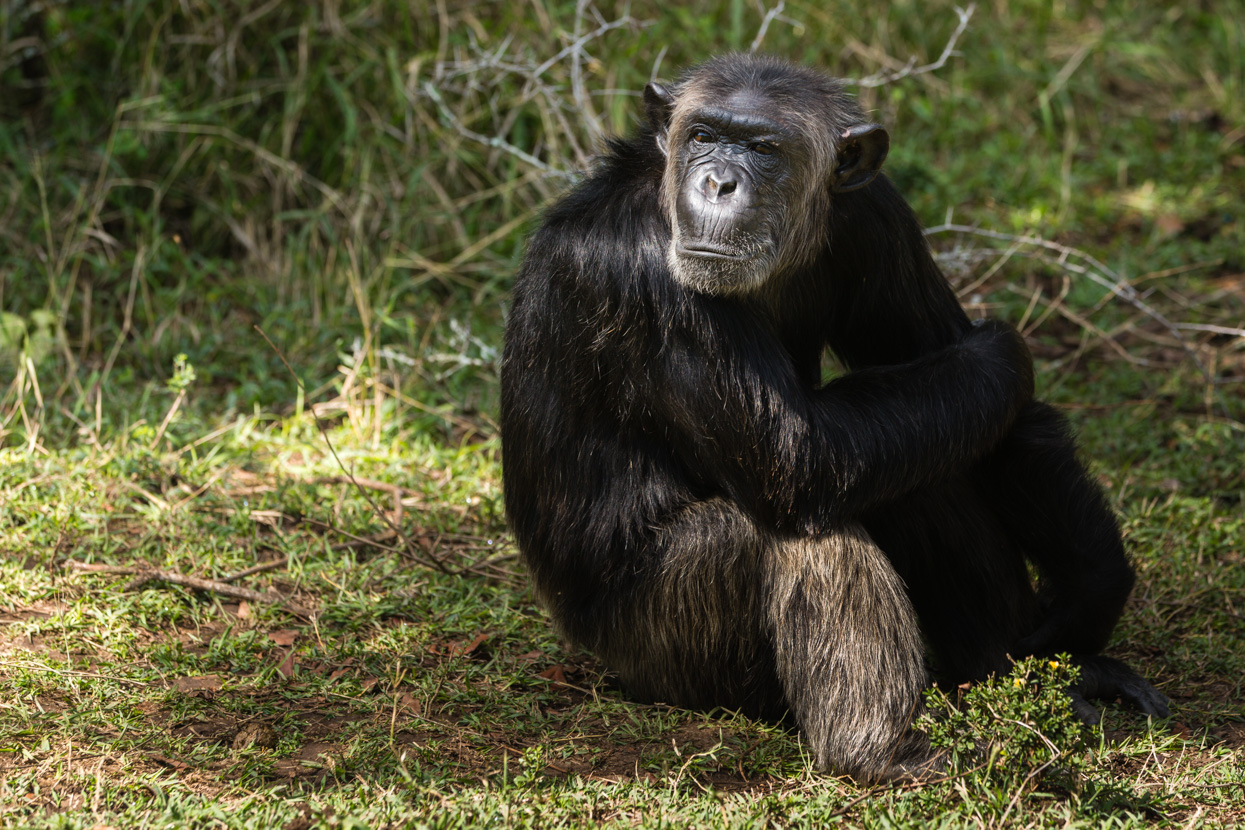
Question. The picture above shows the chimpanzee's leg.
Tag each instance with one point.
(1061, 519)
(849, 653)
(730, 615)
(1049, 506)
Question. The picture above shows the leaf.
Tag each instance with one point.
(555, 674)
(466, 650)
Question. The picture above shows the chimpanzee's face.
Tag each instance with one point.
(747, 189)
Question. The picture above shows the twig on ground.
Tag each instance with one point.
(144, 574)
(463, 542)
(19, 664)
(356, 540)
(407, 548)
(271, 565)
(874, 792)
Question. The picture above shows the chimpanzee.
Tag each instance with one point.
(720, 526)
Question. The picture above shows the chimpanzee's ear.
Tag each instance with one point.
(659, 104)
(862, 149)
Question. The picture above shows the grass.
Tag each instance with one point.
(248, 251)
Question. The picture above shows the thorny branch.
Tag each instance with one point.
(491, 140)
(496, 64)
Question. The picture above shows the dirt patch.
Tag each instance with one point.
(16, 641)
(1231, 734)
(312, 762)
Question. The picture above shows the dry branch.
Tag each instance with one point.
(770, 16)
(1092, 269)
(144, 574)
(497, 142)
(271, 565)
(910, 68)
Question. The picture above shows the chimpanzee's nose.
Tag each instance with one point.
(715, 187)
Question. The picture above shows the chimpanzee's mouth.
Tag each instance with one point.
(709, 251)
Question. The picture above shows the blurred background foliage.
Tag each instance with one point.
(356, 179)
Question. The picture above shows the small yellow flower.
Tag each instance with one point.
(1054, 664)
(1017, 682)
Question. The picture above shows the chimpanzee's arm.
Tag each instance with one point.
(890, 302)
(806, 460)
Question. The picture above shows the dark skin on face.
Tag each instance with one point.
(733, 161)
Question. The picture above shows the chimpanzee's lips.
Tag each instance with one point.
(709, 251)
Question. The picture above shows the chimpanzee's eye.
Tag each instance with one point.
(702, 137)
(764, 149)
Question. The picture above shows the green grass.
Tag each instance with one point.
(202, 178)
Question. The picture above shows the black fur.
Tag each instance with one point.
(724, 530)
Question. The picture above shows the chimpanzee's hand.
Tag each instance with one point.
(1104, 678)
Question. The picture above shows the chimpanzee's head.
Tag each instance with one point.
(756, 151)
